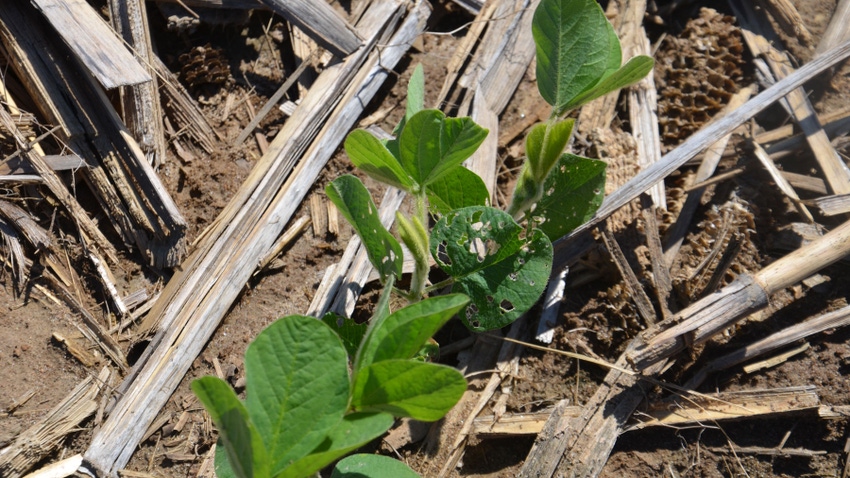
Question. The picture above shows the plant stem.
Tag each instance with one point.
(439, 285)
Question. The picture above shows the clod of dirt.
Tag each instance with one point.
(697, 72)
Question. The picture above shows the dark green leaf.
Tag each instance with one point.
(374, 159)
(406, 388)
(458, 188)
(372, 466)
(355, 203)
(354, 431)
(502, 272)
(573, 48)
(350, 332)
(241, 441)
(431, 144)
(298, 386)
(573, 192)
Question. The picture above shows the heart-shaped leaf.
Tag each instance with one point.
(298, 387)
(239, 439)
(486, 252)
(406, 388)
(405, 331)
(431, 144)
(374, 159)
(354, 431)
(355, 203)
(458, 188)
(572, 193)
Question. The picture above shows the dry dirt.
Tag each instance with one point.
(597, 315)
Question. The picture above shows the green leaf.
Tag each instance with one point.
(572, 193)
(502, 272)
(458, 188)
(406, 388)
(415, 92)
(632, 72)
(298, 386)
(350, 332)
(374, 159)
(431, 144)
(573, 48)
(222, 463)
(405, 331)
(544, 145)
(414, 236)
(241, 442)
(354, 431)
(372, 466)
(355, 203)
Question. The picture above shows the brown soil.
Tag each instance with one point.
(597, 315)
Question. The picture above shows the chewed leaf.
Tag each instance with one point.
(573, 48)
(353, 200)
(431, 144)
(297, 382)
(572, 193)
(502, 271)
(458, 188)
(374, 159)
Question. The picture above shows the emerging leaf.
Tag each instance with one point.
(374, 159)
(573, 192)
(431, 144)
(458, 188)
(372, 466)
(544, 145)
(405, 331)
(355, 203)
(240, 442)
(298, 387)
(502, 272)
(354, 431)
(406, 388)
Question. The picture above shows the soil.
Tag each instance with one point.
(233, 68)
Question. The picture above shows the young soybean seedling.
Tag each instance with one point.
(318, 390)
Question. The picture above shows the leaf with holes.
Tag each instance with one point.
(502, 271)
(297, 382)
(355, 203)
(572, 193)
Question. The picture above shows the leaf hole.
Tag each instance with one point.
(597, 191)
(531, 283)
(471, 312)
(512, 276)
(477, 226)
(551, 191)
(442, 254)
(490, 299)
(477, 247)
(476, 217)
(492, 247)
(506, 306)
